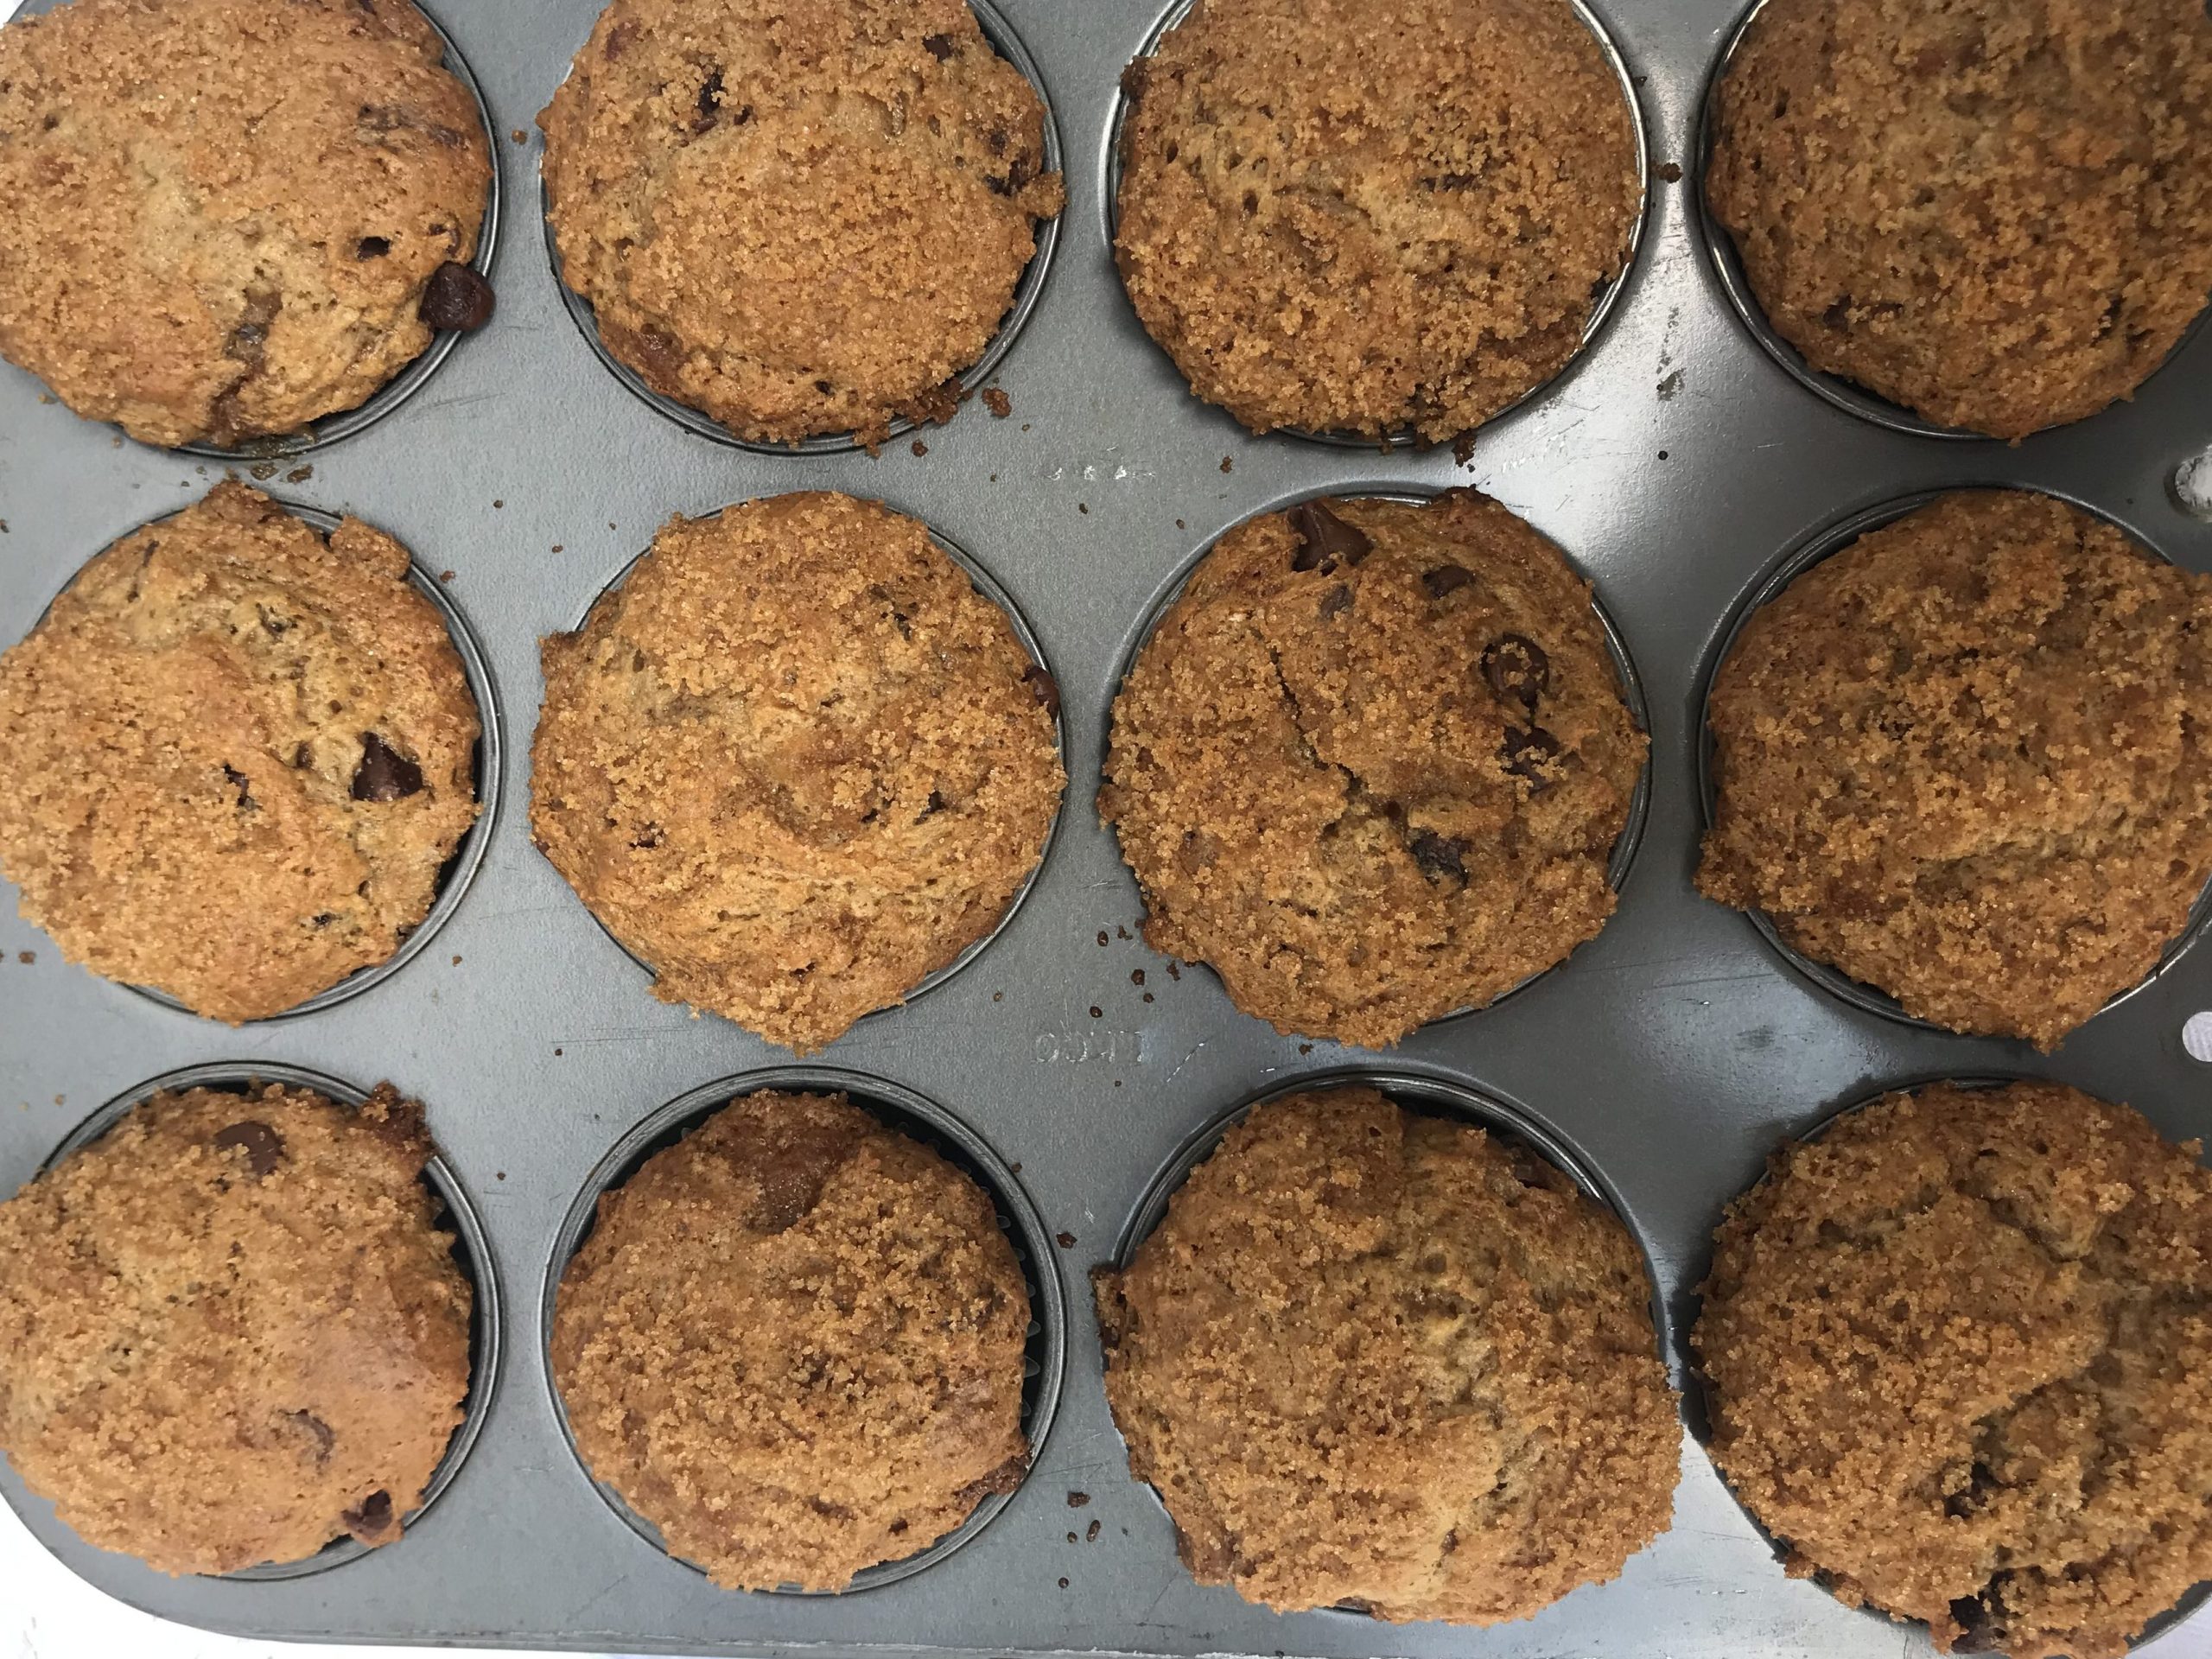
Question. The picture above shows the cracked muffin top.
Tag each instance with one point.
(1996, 213)
(1959, 1358)
(795, 763)
(1394, 1361)
(802, 218)
(1963, 759)
(1374, 216)
(220, 219)
(1371, 765)
(794, 1343)
(235, 757)
(231, 1329)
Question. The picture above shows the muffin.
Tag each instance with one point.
(1995, 212)
(1958, 1363)
(794, 1344)
(1371, 765)
(231, 1329)
(234, 757)
(225, 219)
(1374, 216)
(795, 763)
(798, 216)
(1391, 1362)
(1963, 761)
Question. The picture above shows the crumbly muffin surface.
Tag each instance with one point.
(1996, 213)
(1963, 761)
(1960, 1362)
(801, 216)
(219, 218)
(1377, 1358)
(794, 1344)
(1373, 216)
(1372, 763)
(235, 757)
(796, 762)
(230, 1329)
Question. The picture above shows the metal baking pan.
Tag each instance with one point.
(1676, 462)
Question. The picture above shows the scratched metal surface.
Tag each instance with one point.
(1676, 462)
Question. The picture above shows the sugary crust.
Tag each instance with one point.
(189, 192)
(796, 763)
(1963, 761)
(1391, 1360)
(794, 1344)
(1333, 794)
(1996, 213)
(1960, 1362)
(803, 217)
(1374, 215)
(231, 1330)
(183, 742)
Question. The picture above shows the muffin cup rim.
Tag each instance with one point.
(1797, 558)
(471, 1247)
(903, 1110)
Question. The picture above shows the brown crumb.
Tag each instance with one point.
(919, 448)
(1076, 1500)
(999, 403)
(1671, 171)
(1066, 1240)
(27, 958)
(1136, 976)
(519, 136)
(1091, 1532)
(300, 475)
(1227, 465)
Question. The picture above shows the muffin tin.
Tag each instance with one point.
(1677, 465)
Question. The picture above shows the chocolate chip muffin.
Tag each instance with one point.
(1372, 763)
(235, 757)
(224, 218)
(794, 1344)
(1996, 213)
(1374, 216)
(231, 1329)
(1391, 1362)
(1963, 761)
(795, 763)
(1960, 1363)
(802, 217)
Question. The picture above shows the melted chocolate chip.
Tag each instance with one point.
(1446, 579)
(324, 1438)
(1322, 535)
(457, 297)
(937, 46)
(262, 1146)
(1525, 753)
(711, 95)
(370, 1522)
(1043, 687)
(1516, 668)
(1336, 601)
(384, 774)
(1439, 856)
(372, 247)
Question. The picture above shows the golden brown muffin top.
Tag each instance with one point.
(1963, 761)
(1996, 213)
(794, 1343)
(219, 218)
(796, 762)
(231, 1330)
(1960, 1361)
(1391, 1360)
(800, 216)
(1372, 763)
(234, 757)
(1373, 216)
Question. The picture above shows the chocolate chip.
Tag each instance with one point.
(372, 247)
(302, 757)
(1981, 1621)
(937, 46)
(456, 297)
(1336, 601)
(370, 1522)
(1525, 752)
(262, 1146)
(384, 774)
(1043, 687)
(1322, 535)
(237, 779)
(1516, 668)
(711, 95)
(1446, 579)
(1439, 856)
(324, 1439)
